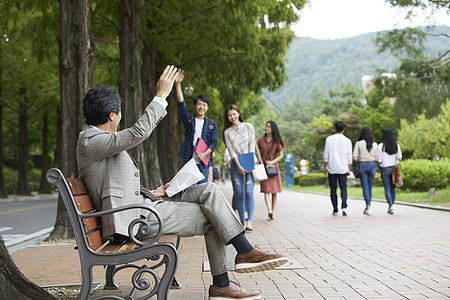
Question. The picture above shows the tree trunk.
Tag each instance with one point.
(44, 186)
(22, 151)
(76, 59)
(13, 284)
(170, 134)
(130, 45)
(148, 92)
(162, 147)
(3, 192)
(58, 137)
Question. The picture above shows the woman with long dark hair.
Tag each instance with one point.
(239, 138)
(366, 152)
(389, 153)
(270, 146)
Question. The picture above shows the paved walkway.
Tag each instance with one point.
(381, 256)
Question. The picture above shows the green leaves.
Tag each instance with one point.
(427, 138)
(401, 43)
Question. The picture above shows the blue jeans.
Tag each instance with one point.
(389, 188)
(243, 199)
(368, 169)
(205, 171)
(332, 181)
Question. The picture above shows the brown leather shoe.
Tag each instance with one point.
(257, 260)
(232, 291)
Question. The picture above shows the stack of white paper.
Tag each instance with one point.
(188, 175)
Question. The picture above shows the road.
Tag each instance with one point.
(26, 223)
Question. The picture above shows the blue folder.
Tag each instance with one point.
(247, 161)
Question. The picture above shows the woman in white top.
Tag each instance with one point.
(366, 152)
(389, 153)
(239, 138)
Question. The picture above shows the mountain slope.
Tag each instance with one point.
(327, 63)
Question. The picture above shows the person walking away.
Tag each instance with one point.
(337, 161)
(366, 152)
(239, 137)
(196, 126)
(270, 147)
(389, 153)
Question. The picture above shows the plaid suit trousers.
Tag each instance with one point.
(202, 210)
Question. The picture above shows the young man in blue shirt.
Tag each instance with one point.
(196, 126)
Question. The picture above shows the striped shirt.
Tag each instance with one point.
(240, 139)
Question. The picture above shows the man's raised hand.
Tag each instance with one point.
(165, 82)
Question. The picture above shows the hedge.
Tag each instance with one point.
(422, 174)
(311, 179)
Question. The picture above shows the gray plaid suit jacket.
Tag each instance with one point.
(111, 175)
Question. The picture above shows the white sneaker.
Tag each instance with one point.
(344, 211)
(390, 210)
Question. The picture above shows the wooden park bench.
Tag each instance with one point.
(116, 256)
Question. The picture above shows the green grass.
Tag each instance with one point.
(442, 197)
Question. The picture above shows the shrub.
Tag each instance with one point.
(310, 180)
(422, 174)
(11, 179)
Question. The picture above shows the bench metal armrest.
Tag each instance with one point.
(144, 228)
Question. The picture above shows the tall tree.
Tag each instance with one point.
(3, 193)
(421, 84)
(44, 186)
(22, 149)
(130, 44)
(76, 58)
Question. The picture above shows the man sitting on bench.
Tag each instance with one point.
(112, 178)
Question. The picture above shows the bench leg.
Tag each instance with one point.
(109, 280)
(86, 282)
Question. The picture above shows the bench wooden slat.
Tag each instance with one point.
(90, 224)
(169, 238)
(111, 248)
(95, 240)
(77, 186)
(84, 203)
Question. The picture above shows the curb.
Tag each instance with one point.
(39, 197)
(419, 205)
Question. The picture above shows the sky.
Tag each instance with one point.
(336, 19)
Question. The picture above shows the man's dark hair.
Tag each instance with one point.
(99, 103)
(339, 125)
(202, 98)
